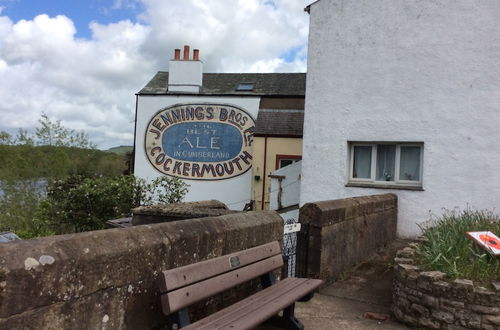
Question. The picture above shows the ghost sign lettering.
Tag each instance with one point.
(200, 141)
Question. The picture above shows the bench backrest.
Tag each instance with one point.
(183, 286)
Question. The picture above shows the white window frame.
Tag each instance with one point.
(396, 182)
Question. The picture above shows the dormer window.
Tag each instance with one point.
(247, 87)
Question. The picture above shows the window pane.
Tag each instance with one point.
(286, 162)
(362, 162)
(410, 164)
(386, 156)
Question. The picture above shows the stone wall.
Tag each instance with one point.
(428, 299)
(344, 232)
(108, 279)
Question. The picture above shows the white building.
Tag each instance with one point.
(404, 97)
(200, 126)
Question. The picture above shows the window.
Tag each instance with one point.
(245, 87)
(285, 160)
(386, 164)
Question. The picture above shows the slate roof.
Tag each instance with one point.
(276, 84)
(279, 122)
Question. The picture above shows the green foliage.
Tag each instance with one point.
(449, 250)
(52, 152)
(81, 203)
(19, 202)
(49, 133)
(52, 133)
(20, 162)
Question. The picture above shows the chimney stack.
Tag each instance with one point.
(186, 53)
(185, 75)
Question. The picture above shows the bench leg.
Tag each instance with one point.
(289, 320)
(183, 318)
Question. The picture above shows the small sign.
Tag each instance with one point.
(487, 240)
(292, 228)
(200, 141)
(234, 261)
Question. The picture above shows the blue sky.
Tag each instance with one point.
(88, 79)
(81, 12)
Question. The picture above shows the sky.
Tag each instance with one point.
(82, 61)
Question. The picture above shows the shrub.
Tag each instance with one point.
(80, 203)
(446, 247)
(19, 202)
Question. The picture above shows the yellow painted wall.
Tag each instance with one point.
(275, 146)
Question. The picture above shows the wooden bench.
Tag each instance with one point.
(184, 286)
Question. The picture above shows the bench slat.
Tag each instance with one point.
(255, 309)
(179, 277)
(185, 296)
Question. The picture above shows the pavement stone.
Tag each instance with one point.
(367, 287)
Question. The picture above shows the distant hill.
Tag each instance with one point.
(122, 150)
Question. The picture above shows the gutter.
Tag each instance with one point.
(308, 8)
(263, 204)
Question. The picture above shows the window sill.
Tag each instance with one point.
(383, 186)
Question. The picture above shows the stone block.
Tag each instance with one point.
(407, 252)
(451, 303)
(441, 288)
(469, 319)
(428, 323)
(443, 316)
(485, 309)
(406, 261)
(404, 270)
(453, 327)
(419, 310)
(485, 297)
(492, 319)
(430, 301)
(463, 289)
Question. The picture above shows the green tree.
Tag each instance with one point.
(5, 138)
(55, 134)
(24, 138)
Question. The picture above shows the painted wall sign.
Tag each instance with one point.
(200, 141)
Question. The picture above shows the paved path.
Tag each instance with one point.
(365, 288)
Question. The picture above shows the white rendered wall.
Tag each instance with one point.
(398, 70)
(290, 185)
(185, 76)
(234, 192)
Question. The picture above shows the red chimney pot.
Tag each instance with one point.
(177, 55)
(186, 53)
(196, 54)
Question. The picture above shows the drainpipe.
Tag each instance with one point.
(132, 165)
(264, 175)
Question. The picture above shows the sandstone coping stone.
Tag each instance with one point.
(178, 211)
(325, 213)
(108, 278)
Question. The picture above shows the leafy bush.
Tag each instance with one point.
(19, 202)
(446, 247)
(80, 203)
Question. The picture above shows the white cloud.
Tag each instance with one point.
(90, 84)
